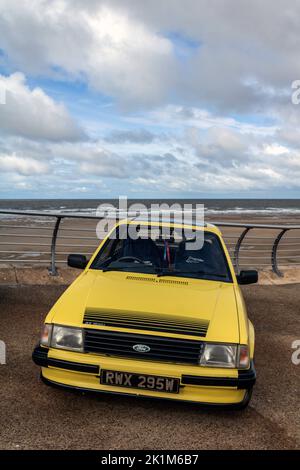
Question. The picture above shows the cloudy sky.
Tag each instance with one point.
(149, 98)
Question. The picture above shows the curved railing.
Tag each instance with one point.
(264, 246)
(33, 237)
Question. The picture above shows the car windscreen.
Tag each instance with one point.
(154, 250)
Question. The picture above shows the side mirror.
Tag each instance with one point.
(77, 261)
(247, 277)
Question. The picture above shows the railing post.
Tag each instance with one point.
(274, 252)
(238, 246)
(52, 269)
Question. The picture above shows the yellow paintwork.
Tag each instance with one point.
(219, 302)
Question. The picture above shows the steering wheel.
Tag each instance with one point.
(131, 258)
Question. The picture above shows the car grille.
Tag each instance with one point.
(113, 343)
(148, 321)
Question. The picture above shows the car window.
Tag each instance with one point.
(172, 253)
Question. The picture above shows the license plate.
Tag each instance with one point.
(140, 381)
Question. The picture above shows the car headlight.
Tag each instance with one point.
(65, 337)
(225, 355)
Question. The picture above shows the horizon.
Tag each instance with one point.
(154, 199)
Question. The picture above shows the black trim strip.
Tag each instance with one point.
(209, 381)
(228, 406)
(76, 366)
(245, 380)
(40, 358)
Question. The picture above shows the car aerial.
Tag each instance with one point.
(153, 315)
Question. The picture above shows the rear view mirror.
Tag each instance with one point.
(247, 277)
(77, 261)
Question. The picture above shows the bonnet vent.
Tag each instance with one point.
(157, 280)
(146, 321)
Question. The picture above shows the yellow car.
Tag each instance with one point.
(156, 316)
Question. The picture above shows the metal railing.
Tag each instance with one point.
(250, 245)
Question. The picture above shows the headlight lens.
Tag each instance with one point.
(219, 355)
(64, 337)
(46, 335)
(225, 355)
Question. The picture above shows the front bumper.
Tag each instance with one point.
(202, 385)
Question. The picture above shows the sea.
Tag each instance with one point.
(213, 207)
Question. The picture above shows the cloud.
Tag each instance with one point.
(105, 164)
(211, 158)
(116, 54)
(247, 55)
(21, 165)
(138, 136)
(132, 50)
(204, 164)
(275, 149)
(91, 158)
(190, 98)
(33, 114)
(220, 147)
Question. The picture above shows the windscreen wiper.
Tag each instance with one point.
(108, 268)
(187, 274)
(130, 268)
